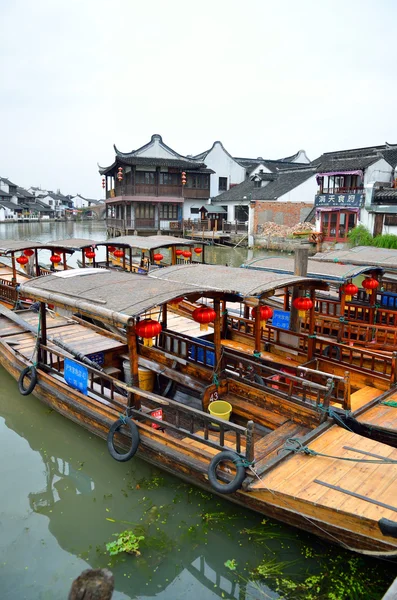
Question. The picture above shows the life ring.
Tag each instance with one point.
(33, 380)
(235, 484)
(134, 439)
(332, 351)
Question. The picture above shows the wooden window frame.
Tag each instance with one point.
(336, 237)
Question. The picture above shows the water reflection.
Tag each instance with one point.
(85, 497)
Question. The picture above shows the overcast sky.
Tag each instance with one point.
(266, 78)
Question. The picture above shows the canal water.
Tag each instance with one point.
(63, 498)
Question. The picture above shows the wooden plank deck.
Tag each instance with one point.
(299, 476)
(363, 396)
(381, 415)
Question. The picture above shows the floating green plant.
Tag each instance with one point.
(127, 542)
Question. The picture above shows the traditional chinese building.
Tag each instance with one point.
(146, 188)
(347, 194)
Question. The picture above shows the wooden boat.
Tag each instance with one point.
(251, 458)
(367, 378)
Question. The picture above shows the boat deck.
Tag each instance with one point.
(367, 489)
(6, 274)
(381, 415)
(83, 339)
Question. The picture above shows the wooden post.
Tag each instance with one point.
(36, 258)
(217, 334)
(341, 328)
(286, 299)
(107, 257)
(124, 259)
(133, 356)
(202, 254)
(346, 392)
(83, 258)
(43, 331)
(130, 259)
(250, 444)
(300, 269)
(64, 260)
(311, 340)
(173, 255)
(246, 316)
(257, 329)
(93, 584)
(14, 271)
(164, 316)
(372, 301)
(393, 377)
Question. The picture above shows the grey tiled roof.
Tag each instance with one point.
(284, 183)
(386, 194)
(356, 158)
(7, 181)
(4, 194)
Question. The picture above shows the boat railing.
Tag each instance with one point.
(287, 382)
(187, 348)
(379, 313)
(192, 423)
(354, 332)
(8, 291)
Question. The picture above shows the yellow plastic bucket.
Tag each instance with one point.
(146, 379)
(220, 409)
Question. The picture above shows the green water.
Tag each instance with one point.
(63, 497)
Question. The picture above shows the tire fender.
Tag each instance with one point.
(134, 439)
(32, 383)
(235, 484)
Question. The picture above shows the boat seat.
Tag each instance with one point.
(259, 414)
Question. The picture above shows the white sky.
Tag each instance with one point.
(266, 78)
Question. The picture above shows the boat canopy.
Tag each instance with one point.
(361, 255)
(146, 243)
(10, 246)
(118, 297)
(331, 272)
(71, 244)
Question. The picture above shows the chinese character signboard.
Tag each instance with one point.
(281, 319)
(76, 375)
(339, 200)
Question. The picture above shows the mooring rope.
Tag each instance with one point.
(296, 446)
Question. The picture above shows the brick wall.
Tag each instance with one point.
(283, 213)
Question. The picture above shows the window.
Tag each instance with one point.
(169, 179)
(198, 181)
(222, 184)
(194, 211)
(241, 213)
(169, 211)
(336, 225)
(144, 211)
(145, 177)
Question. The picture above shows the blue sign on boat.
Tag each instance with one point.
(76, 375)
(281, 319)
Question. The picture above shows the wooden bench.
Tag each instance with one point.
(258, 414)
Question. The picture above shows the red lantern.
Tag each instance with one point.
(183, 178)
(158, 258)
(302, 304)
(186, 255)
(204, 315)
(28, 252)
(120, 174)
(370, 284)
(148, 329)
(179, 252)
(90, 254)
(198, 251)
(119, 253)
(22, 260)
(55, 259)
(265, 313)
(111, 249)
(350, 290)
(103, 183)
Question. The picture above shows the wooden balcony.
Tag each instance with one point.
(142, 225)
(143, 189)
(342, 190)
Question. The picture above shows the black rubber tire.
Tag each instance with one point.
(33, 380)
(134, 440)
(235, 484)
(332, 351)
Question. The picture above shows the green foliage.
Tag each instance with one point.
(360, 236)
(231, 564)
(126, 541)
(386, 240)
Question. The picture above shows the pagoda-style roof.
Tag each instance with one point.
(154, 153)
